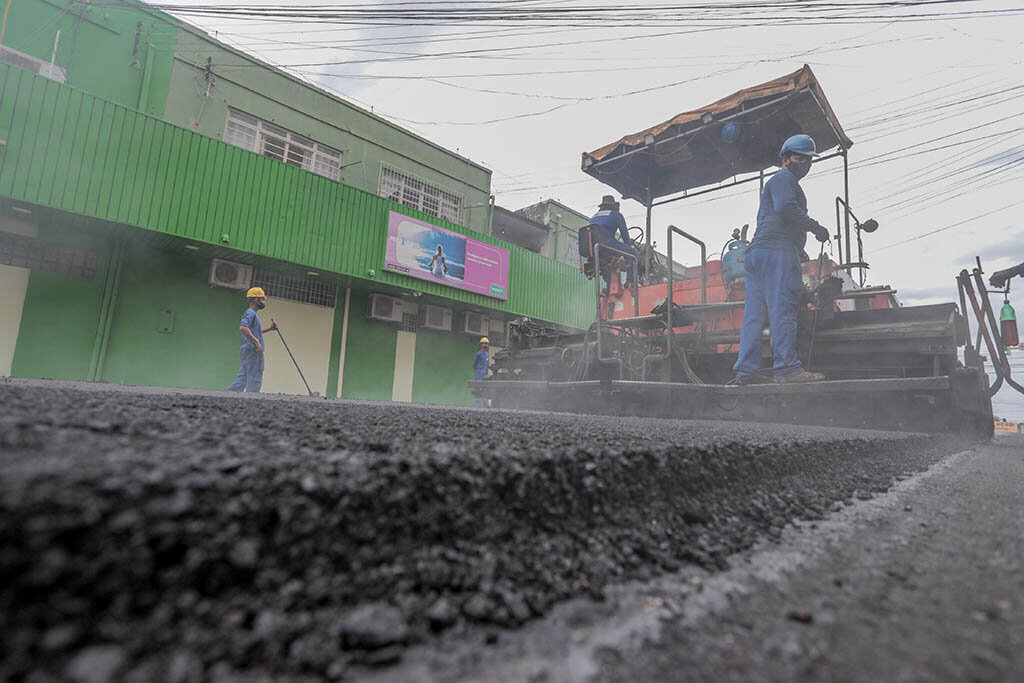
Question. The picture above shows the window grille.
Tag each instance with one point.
(409, 322)
(303, 290)
(419, 194)
(275, 142)
(28, 252)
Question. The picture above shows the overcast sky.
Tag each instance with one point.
(933, 106)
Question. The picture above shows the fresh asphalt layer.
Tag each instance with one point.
(151, 534)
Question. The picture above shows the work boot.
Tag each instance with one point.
(798, 377)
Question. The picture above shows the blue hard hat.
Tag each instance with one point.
(799, 144)
(731, 132)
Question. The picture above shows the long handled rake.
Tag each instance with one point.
(311, 392)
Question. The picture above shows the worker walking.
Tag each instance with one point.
(250, 375)
(481, 364)
(612, 223)
(774, 282)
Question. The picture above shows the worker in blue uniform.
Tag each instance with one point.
(250, 375)
(481, 364)
(612, 223)
(774, 281)
(1000, 277)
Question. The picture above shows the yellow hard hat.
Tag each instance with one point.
(485, 340)
(255, 291)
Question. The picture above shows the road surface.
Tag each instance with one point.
(151, 534)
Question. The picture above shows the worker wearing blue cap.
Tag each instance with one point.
(614, 233)
(774, 282)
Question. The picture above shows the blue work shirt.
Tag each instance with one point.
(481, 361)
(252, 321)
(782, 220)
(611, 223)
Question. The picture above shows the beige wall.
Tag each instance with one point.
(405, 363)
(13, 283)
(307, 330)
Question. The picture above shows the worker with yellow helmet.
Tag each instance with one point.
(250, 375)
(481, 364)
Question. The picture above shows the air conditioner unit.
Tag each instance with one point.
(37, 66)
(474, 323)
(380, 307)
(230, 274)
(436, 318)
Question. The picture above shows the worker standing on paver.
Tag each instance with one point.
(481, 364)
(772, 265)
(612, 223)
(250, 375)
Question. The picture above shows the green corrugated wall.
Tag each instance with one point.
(79, 153)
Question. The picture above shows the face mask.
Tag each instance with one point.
(260, 305)
(799, 168)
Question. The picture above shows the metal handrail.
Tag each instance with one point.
(839, 238)
(671, 281)
(597, 289)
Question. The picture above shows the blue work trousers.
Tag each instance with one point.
(250, 375)
(774, 285)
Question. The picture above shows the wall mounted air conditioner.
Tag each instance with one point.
(381, 307)
(36, 66)
(474, 323)
(436, 318)
(230, 274)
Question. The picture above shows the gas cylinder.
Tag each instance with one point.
(732, 262)
(1008, 325)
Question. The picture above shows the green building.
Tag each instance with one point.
(564, 225)
(149, 174)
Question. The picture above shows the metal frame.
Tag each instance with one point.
(671, 282)
(988, 327)
(597, 289)
(850, 263)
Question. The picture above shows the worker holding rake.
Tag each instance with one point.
(250, 375)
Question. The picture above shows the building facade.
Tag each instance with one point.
(563, 224)
(149, 174)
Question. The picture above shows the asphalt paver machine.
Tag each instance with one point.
(665, 344)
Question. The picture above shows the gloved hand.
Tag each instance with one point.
(1000, 277)
(821, 233)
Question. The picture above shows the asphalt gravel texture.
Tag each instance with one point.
(153, 535)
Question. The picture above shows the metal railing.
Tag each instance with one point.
(669, 304)
(597, 289)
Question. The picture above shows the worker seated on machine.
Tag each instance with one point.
(604, 226)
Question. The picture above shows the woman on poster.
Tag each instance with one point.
(437, 264)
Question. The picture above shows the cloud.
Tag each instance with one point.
(1010, 246)
(913, 296)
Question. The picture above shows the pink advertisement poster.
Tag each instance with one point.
(422, 250)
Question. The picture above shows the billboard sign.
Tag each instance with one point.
(425, 251)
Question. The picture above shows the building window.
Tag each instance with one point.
(572, 249)
(303, 290)
(28, 252)
(269, 140)
(419, 194)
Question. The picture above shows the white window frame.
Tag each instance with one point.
(256, 135)
(417, 193)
